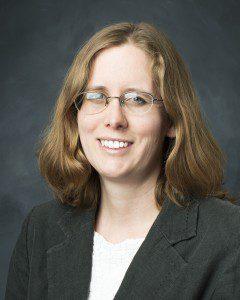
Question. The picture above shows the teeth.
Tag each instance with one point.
(114, 144)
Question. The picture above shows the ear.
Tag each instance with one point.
(171, 132)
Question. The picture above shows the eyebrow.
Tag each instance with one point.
(104, 88)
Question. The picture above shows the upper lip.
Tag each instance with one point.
(114, 139)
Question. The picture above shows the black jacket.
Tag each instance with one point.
(188, 253)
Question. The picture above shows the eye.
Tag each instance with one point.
(136, 98)
(139, 100)
(95, 96)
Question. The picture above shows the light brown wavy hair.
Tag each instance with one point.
(192, 162)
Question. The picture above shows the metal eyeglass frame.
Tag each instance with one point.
(154, 100)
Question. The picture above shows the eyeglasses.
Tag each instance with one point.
(94, 102)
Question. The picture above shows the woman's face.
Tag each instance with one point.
(119, 68)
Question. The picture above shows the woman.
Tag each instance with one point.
(141, 212)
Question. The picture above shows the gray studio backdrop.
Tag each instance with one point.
(38, 42)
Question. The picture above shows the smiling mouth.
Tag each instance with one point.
(114, 150)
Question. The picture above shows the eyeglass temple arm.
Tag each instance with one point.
(157, 100)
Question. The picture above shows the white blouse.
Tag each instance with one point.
(109, 265)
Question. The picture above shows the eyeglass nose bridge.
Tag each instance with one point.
(121, 101)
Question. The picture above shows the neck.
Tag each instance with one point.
(127, 210)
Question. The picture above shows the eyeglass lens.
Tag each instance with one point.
(95, 102)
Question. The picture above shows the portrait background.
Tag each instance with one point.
(38, 42)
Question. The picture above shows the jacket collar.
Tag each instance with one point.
(69, 264)
(174, 222)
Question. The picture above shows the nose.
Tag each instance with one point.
(114, 114)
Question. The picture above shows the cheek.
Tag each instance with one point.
(84, 123)
(152, 130)
(86, 126)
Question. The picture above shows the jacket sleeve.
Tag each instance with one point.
(18, 273)
(228, 285)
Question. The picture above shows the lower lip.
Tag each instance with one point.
(118, 150)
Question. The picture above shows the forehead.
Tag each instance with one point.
(122, 67)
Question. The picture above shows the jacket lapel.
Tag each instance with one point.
(69, 263)
(157, 264)
(152, 270)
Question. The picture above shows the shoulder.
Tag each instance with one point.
(42, 220)
(40, 229)
(220, 218)
(219, 210)
(38, 233)
(219, 229)
(49, 211)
